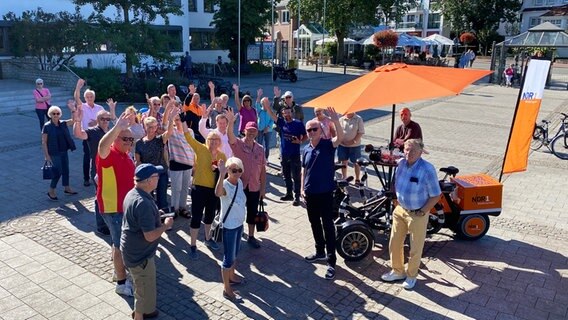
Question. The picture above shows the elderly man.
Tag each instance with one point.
(222, 123)
(350, 147)
(115, 171)
(93, 136)
(172, 93)
(286, 101)
(292, 134)
(318, 171)
(254, 175)
(141, 232)
(417, 191)
(407, 130)
(90, 111)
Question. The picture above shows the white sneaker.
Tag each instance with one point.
(125, 289)
(392, 276)
(409, 283)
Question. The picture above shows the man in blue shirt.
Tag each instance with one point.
(417, 191)
(317, 189)
(292, 134)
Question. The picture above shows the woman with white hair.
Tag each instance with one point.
(42, 98)
(56, 141)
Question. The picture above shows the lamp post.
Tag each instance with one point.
(272, 39)
(323, 38)
(239, 48)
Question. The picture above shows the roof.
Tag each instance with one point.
(544, 35)
(557, 12)
(546, 26)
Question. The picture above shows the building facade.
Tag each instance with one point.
(535, 12)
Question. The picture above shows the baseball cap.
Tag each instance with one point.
(251, 125)
(146, 170)
(287, 94)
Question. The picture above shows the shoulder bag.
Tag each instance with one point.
(216, 232)
(261, 219)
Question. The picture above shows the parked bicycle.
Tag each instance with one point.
(558, 144)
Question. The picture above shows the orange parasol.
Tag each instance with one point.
(396, 83)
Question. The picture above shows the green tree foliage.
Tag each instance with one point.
(130, 31)
(481, 16)
(255, 16)
(342, 14)
(52, 38)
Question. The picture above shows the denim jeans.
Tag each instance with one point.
(86, 161)
(162, 191)
(265, 140)
(101, 225)
(41, 116)
(291, 167)
(320, 215)
(114, 224)
(61, 164)
(231, 246)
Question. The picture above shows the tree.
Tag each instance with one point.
(340, 15)
(255, 16)
(131, 32)
(481, 16)
(52, 38)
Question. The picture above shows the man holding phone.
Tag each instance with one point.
(292, 134)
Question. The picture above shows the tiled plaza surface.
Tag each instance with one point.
(53, 266)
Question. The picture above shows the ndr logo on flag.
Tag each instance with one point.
(529, 96)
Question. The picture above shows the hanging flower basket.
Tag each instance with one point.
(467, 37)
(385, 39)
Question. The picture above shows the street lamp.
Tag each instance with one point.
(239, 48)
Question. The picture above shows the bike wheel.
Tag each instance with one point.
(472, 226)
(559, 146)
(354, 242)
(537, 138)
(293, 78)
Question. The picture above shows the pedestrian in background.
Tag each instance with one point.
(42, 98)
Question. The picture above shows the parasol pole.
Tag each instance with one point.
(392, 126)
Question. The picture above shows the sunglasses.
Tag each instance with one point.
(127, 139)
(105, 119)
(239, 170)
(55, 113)
(39, 84)
(312, 129)
(155, 104)
(287, 97)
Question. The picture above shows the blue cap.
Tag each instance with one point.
(146, 170)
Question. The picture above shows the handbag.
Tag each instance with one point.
(216, 232)
(261, 220)
(48, 170)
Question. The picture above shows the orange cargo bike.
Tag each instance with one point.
(464, 207)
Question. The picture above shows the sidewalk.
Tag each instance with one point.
(53, 266)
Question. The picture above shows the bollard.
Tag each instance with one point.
(344, 68)
(316, 65)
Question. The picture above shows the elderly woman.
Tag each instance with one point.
(192, 114)
(203, 192)
(327, 126)
(233, 201)
(265, 123)
(154, 106)
(42, 98)
(150, 149)
(181, 159)
(56, 141)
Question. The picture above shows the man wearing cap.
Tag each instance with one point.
(286, 101)
(141, 232)
(292, 134)
(115, 172)
(417, 191)
(251, 154)
(408, 129)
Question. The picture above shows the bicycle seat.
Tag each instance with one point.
(451, 170)
(447, 187)
(363, 162)
(339, 166)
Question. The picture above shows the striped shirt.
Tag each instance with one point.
(416, 184)
(179, 149)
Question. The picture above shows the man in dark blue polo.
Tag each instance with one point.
(317, 189)
(292, 134)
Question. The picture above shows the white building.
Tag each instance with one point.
(535, 12)
(191, 28)
(423, 21)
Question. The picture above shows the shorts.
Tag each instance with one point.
(114, 224)
(253, 199)
(349, 153)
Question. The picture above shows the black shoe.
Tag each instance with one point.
(52, 198)
(150, 315)
(316, 257)
(287, 197)
(253, 242)
(86, 183)
(102, 232)
(330, 273)
(296, 202)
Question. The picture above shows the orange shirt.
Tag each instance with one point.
(193, 108)
(115, 178)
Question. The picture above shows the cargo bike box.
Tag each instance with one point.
(479, 193)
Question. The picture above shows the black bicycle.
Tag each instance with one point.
(558, 144)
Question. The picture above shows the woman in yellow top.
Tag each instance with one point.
(203, 193)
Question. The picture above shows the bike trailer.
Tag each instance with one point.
(479, 193)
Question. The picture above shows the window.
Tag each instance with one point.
(434, 21)
(534, 22)
(556, 22)
(175, 3)
(208, 6)
(203, 39)
(538, 2)
(285, 16)
(174, 34)
(550, 1)
(192, 5)
(411, 18)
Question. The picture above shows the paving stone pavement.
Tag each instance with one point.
(52, 265)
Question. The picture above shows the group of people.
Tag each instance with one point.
(221, 153)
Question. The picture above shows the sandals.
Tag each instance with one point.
(236, 297)
(52, 198)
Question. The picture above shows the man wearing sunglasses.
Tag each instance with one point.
(93, 136)
(318, 171)
(115, 171)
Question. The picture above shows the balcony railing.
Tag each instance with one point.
(409, 25)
